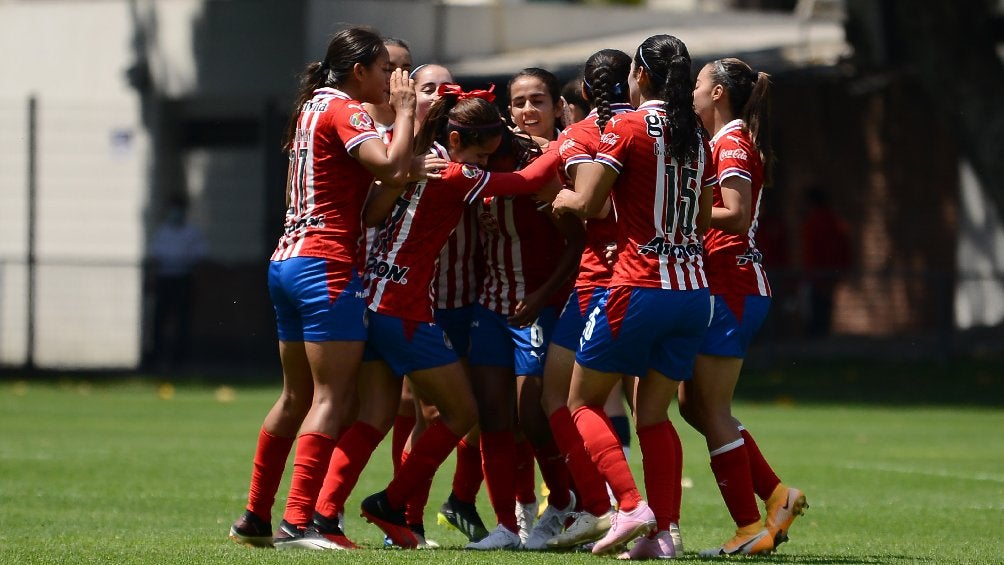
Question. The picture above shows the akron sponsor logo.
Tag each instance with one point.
(659, 246)
(361, 121)
(566, 145)
(739, 154)
(304, 224)
(390, 271)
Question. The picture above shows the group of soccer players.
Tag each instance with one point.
(515, 276)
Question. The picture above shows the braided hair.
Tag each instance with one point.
(606, 80)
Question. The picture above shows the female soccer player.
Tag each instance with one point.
(605, 88)
(733, 101)
(529, 259)
(335, 153)
(466, 128)
(654, 315)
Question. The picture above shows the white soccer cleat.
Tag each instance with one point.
(499, 538)
(551, 523)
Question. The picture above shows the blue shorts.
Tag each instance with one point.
(304, 309)
(728, 336)
(633, 330)
(568, 330)
(456, 322)
(496, 343)
(405, 345)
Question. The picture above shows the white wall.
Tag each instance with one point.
(91, 164)
(979, 293)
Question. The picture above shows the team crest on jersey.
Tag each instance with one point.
(470, 171)
(488, 222)
(361, 121)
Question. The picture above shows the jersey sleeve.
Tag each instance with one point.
(614, 146)
(571, 149)
(354, 125)
(733, 158)
(711, 177)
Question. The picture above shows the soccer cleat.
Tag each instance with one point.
(290, 536)
(500, 538)
(327, 534)
(744, 543)
(251, 530)
(464, 517)
(784, 505)
(551, 522)
(525, 516)
(658, 546)
(376, 509)
(674, 532)
(624, 527)
(419, 531)
(585, 529)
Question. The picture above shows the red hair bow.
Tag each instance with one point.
(450, 89)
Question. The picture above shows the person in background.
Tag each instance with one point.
(575, 106)
(335, 153)
(826, 256)
(176, 249)
(733, 101)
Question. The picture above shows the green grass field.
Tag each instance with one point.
(127, 472)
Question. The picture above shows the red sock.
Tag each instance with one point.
(661, 462)
(555, 474)
(526, 487)
(428, 453)
(764, 479)
(347, 462)
(498, 450)
(269, 463)
(313, 452)
(605, 451)
(399, 438)
(589, 483)
(414, 509)
(468, 476)
(731, 467)
(676, 478)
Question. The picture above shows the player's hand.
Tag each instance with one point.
(527, 310)
(402, 91)
(563, 202)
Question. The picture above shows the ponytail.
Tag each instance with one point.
(682, 125)
(668, 63)
(348, 47)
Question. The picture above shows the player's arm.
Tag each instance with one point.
(733, 215)
(391, 163)
(593, 182)
(574, 233)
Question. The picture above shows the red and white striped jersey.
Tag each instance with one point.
(327, 186)
(577, 144)
(456, 283)
(657, 200)
(400, 271)
(520, 246)
(733, 262)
